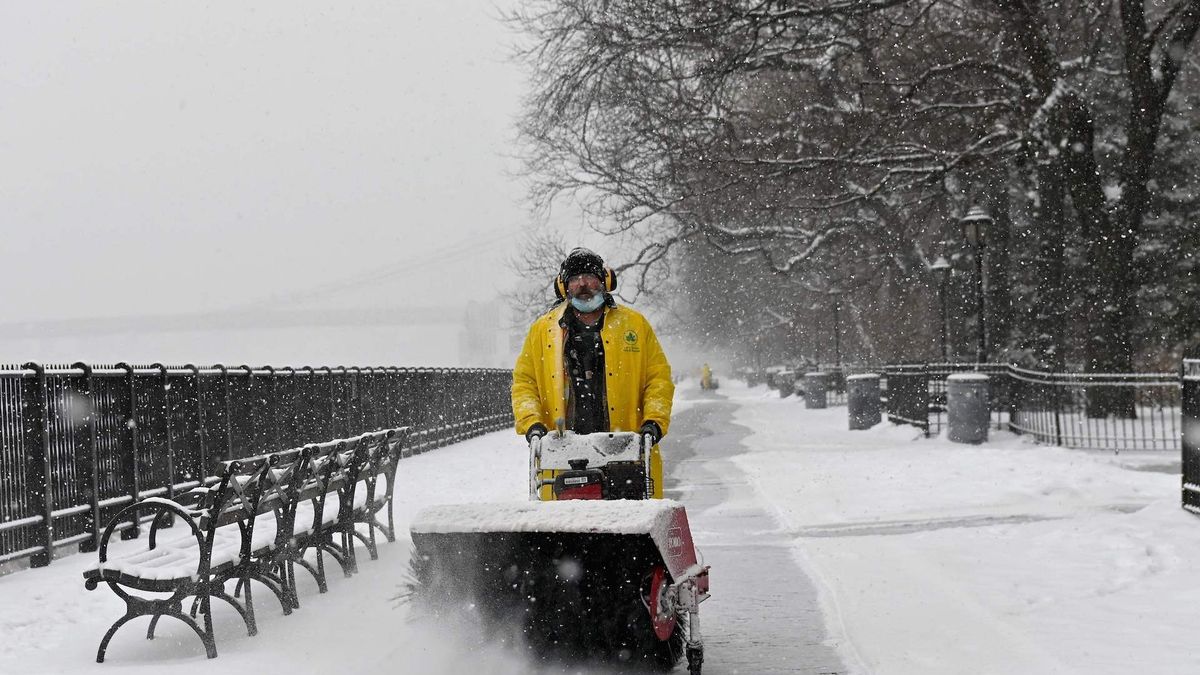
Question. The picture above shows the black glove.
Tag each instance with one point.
(654, 430)
(536, 431)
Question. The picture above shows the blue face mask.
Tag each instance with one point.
(587, 306)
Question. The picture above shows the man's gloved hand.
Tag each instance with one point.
(653, 429)
(536, 431)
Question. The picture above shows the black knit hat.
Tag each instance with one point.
(581, 261)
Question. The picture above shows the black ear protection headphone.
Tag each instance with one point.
(610, 283)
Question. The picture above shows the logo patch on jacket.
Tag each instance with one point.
(631, 342)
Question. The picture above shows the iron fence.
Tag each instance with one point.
(1063, 409)
(835, 392)
(79, 442)
(1190, 436)
(1121, 411)
(908, 395)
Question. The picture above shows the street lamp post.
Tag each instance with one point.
(837, 336)
(974, 227)
(941, 268)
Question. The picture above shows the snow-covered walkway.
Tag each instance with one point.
(1008, 557)
(923, 556)
(764, 616)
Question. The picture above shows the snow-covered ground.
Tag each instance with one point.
(927, 557)
(50, 624)
(1007, 557)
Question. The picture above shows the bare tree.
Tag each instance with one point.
(783, 130)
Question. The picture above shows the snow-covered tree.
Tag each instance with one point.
(792, 132)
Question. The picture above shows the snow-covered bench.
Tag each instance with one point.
(256, 522)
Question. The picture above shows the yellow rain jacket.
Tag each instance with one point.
(637, 378)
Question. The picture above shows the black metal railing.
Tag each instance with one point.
(79, 442)
(1073, 410)
(1061, 408)
(908, 395)
(836, 374)
(1190, 435)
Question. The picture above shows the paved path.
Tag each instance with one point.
(763, 616)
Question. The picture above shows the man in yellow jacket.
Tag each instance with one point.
(590, 365)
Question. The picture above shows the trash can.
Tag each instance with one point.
(814, 390)
(968, 409)
(783, 381)
(862, 400)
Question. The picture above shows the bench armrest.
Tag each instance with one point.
(191, 502)
(162, 508)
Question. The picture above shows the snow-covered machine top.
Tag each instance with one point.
(664, 520)
(583, 516)
(557, 450)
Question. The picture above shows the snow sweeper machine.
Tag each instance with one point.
(590, 568)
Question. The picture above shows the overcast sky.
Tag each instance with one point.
(165, 157)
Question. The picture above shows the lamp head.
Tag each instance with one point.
(975, 224)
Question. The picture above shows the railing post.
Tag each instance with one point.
(499, 402)
(1056, 395)
(477, 380)
(925, 396)
(166, 388)
(37, 459)
(449, 403)
(443, 380)
(132, 475)
(202, 459)
(1015, 392)
(88, 476)
(246, 413)
(289, 385)
(422, 383)
(373, 401)
(355, 426)
(332, 417)
(345, 400)
(335, 390)
(273, 410)
(228, 412)
(1189, 376)
(307, 423)
(389, 415)
(403, 410)
(472, 388)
